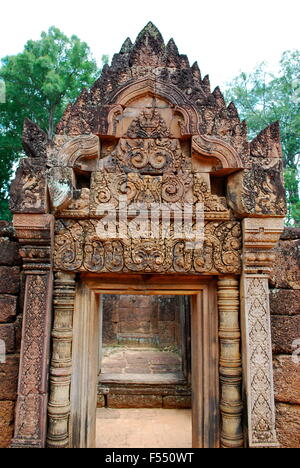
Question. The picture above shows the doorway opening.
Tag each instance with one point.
(145, 371)
(95, 388)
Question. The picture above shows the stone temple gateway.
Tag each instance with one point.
(149, 132)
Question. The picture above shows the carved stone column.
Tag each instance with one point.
(260, 236)
(61, 362)
(34, 232)
(230, 363)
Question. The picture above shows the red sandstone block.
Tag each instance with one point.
(9, 280)
(18, 333)
(134, 327)
(9, 253)
(6, 422)
(8, 308)
(177, 402)
(110, 331)
(131, 314)
(288, 425)
(9, 378)
(134, 401)
(166, 332)
(6, 435)
(287, 380)
(285, 330)
(124, 302)
(286, 271)
(285, 301)
(100, 401)
(135, 301)
(7, 334)
(137, 370)
(6, 412)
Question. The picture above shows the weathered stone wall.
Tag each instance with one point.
(285, 310)
(10, 329)
(143, 320)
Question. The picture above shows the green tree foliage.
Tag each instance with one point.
(263, 98)
(40, 82)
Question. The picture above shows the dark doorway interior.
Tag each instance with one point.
(145, 352)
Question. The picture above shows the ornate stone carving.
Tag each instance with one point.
(149, 124)
(165, 155)
(183, 257)
(230, 363)
(150, 156)
(260, 236)
(260, 391)
(214, 205)
(110, 189)
(28, 190)
(28, 424)
(78, 247)
(148, 256)
(34, 232)
(263, 189)
(217, 148)
(69, 243)
(60, 186)
(260, 190)
(79, 207)
(61, 362)
(71, 154)
(221, 248)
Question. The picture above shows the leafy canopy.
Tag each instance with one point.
(263, 98)
(40, 82)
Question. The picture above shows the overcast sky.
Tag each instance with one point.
(224, 36)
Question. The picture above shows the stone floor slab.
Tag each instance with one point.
(143, 428)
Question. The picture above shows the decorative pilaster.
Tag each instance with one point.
(34, 232)
(260, 236)
(61, 362)
(230, 363)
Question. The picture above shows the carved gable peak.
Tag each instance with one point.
(148, 49)
(127, 46)
(267, 143)
(35, 140)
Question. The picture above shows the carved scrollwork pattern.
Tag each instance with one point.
(69, 243)
(183, 257)
(150, 156)
(114, 256)
(173, 189)
(220, 251)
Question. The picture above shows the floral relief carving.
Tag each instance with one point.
(260, 360)
(147, 156)
(30, 389)
(69, 245)
(79, 248)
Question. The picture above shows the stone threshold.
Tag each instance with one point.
(147, 379)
